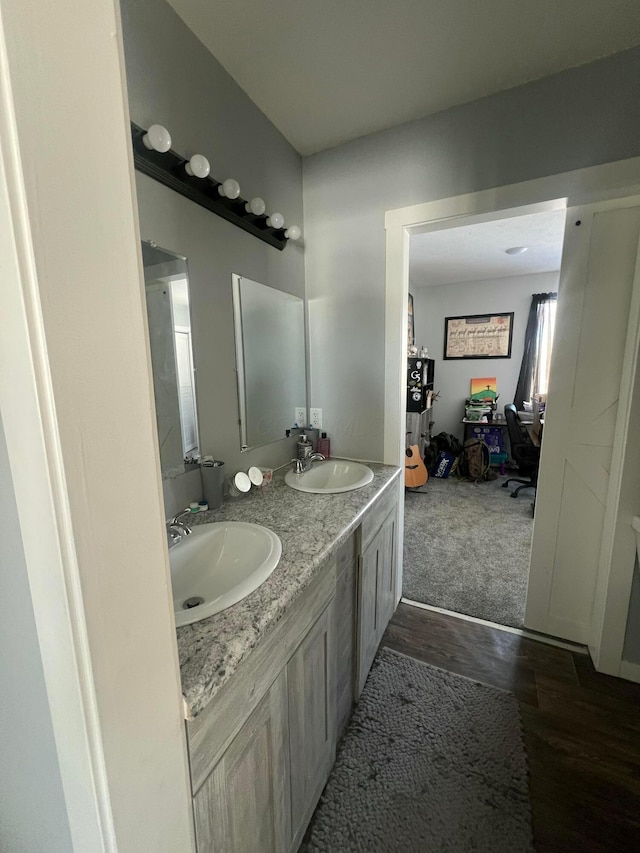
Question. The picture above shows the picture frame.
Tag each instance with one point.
(411, 337)
(476, 336)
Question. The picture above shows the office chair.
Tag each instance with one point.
(524, 452)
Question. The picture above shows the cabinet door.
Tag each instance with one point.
(312, 718)
(368, 610)
(376, 596)
(386, 573)
(243, 806)
(346, 611)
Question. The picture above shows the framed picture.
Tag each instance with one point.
(478, 336)
(411, 337)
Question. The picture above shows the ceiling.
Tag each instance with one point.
(477, 252)
(327, 71)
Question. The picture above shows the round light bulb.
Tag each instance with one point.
(157, 138)
(198, 165)
(293, 232)
(229, 188)
(276, 220)
(255, 206)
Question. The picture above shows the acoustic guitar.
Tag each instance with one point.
(415, 473)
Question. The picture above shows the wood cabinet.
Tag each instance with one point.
(387, 572)
(261, 752)
(346, 609)
(368, 606)
(312, 719)
(243, 805)
(376, 599)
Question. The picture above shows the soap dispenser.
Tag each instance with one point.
(324, 446)
(304, 447)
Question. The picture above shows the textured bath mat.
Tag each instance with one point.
(431, 762)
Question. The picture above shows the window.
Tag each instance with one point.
(536, 360)
(540, 384)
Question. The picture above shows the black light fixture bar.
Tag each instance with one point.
(168, 169)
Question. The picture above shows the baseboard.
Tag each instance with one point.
(521, 632)
(630, 671)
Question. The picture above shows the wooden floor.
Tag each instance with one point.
(582, 729)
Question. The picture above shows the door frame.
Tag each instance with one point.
(82, 442)
(37, 479)
(568, 189)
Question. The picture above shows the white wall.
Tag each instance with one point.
(33, 814)
(77, 411)
(172, 79)
(578, 118)
(433, 304)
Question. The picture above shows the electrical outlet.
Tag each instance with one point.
(300, 416)
(315, 418)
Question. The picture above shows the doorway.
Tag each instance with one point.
(584, 600)
(473, 287)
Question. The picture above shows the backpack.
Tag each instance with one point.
(447, 442)
(475, 461)
(444, 442)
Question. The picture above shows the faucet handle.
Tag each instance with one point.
(174, 535)
(298, 466)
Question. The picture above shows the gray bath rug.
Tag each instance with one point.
(431, 762)
(467, 548)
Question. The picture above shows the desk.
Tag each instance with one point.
(535, 434)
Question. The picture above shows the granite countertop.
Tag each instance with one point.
(311, 527)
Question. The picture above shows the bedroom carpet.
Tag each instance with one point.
(431, 762)
(467, 548)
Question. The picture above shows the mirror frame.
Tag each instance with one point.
(240, 361)
(169, 474)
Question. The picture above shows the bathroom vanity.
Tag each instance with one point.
(269, 684)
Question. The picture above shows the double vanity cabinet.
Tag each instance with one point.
(262, 746)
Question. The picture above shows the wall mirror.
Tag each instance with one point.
(270, 357)
(166, 280)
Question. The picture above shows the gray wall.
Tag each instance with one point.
(433, 304)
(173, 80)
(33, 817)
(578, 118)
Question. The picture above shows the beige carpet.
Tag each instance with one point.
(467, 548)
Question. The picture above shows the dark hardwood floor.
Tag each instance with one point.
(581, 728)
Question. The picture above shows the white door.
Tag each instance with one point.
(599, 268)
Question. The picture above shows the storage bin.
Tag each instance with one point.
(492, 436)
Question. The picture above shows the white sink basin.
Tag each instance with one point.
(330, 477)
(220, 563)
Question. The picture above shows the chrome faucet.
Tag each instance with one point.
(175, 520)
(302, 465)
(176, 529)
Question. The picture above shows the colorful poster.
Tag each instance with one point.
(484, 388)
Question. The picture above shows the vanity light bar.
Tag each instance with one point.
(168, 168)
